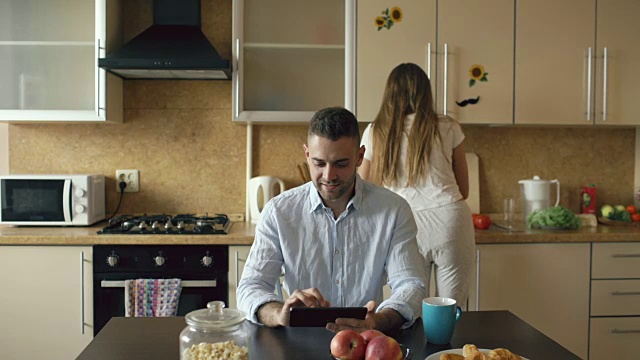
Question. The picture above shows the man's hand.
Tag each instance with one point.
(356, 324)
(277, 314)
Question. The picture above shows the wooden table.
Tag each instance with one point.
(157, 339)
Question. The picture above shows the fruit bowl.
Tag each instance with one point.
(406, 353)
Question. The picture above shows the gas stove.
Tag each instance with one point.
(163, 224)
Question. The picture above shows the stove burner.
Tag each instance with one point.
(168, 224)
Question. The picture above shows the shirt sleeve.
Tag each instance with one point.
(405, 269)
(458, 135)
(366, 141)
(263, 267)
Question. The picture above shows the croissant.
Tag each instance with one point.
(477, 356)
(503, 354)
(469, 349)
(451, 357)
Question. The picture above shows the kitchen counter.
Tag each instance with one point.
(242, 233)
(157, 339)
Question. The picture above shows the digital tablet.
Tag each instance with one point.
(320, 316)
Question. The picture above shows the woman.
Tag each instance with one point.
(420, 156)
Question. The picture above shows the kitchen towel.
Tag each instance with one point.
(151, 297)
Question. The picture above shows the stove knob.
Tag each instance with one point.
(112, 260)
(206, 261)
(79, 209)
(160, 260)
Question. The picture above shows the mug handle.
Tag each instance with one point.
(458, 313)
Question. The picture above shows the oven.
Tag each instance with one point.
(203, 270)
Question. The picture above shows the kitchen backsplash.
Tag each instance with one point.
(191, 156)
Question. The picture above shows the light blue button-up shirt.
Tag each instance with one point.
(346, 259)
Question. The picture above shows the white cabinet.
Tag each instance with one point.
(289, 59)
(452, 36)
(615, 309)
(46, 302)
(237, 258)
(48, 61)
(539, 283)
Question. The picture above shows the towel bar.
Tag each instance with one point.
(184, 283)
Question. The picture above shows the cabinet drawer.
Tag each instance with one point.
(616, 261)
(614, 338)
(615, 297)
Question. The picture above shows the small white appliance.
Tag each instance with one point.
(52, 200)
(535, 194)
(261, 190)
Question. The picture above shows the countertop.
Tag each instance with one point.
(242, 233)
(157, 339)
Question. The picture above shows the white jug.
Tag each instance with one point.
(536, 194)
(261, 190)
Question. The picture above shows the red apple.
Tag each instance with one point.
(383, 348)
(370, 334)
(348, 345)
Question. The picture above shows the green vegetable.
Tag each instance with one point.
(553, 217)
(619, 215)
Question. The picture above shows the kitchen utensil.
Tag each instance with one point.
(261, 190)
(535, 194)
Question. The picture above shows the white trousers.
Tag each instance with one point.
(446, 239)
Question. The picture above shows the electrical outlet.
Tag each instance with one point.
(131, 177)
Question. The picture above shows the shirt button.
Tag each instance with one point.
(337, 281)
(337, 251)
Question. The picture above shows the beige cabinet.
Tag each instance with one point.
(615, 309)
(48, 61)
(617, 61)
(289, 59)
(475, 60)
(46, 302)
(554, 61)
(237, 258)
(538, 283)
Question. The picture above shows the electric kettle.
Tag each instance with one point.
(535, 194)
(261, 190)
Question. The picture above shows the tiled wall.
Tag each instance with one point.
(191, 156)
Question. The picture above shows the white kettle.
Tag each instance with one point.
(536, 194)
(261, 190)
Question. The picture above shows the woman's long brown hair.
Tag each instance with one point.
(408, 91)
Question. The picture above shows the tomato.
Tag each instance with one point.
(635, 217)
(481, 222)
(631, 209)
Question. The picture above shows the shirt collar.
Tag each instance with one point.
(355, 202)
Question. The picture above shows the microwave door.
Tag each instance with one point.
(66, 201)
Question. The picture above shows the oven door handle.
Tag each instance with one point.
(184, 283)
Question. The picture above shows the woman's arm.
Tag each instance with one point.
(460, 170)
(364, 168)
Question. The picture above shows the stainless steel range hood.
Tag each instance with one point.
(174, 47)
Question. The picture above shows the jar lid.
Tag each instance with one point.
(215, 316)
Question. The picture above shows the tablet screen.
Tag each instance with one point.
(319, 317)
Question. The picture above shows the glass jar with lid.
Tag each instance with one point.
(214, 333)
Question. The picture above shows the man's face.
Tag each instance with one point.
(332, 165)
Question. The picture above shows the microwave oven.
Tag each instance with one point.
(52, 200)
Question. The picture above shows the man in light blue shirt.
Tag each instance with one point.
(337, 237)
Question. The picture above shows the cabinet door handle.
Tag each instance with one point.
(82, 292)
(97, 81)
(625, 255)
(604, 84)
(446, 65)
(477, 279)
(625, 331)
(618, 293)
(589, 53)
(429, 61)
(237, 109)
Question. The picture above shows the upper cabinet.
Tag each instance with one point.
(289, 59)
(617, 79)
(554, 60)
(472, 54)
(48, 61)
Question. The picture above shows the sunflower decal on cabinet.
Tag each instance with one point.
(477, 73)
(388, 18)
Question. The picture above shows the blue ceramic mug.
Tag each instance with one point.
(439, 318)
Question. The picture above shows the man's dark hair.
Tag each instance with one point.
(334, 123)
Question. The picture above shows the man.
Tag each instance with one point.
(336, 237)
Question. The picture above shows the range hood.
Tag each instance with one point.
(174, 47)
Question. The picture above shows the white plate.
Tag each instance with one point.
(436, 356)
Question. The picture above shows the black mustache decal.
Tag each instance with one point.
(466, 102)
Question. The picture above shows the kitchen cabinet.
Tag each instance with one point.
(45, 302)
(48, 61)
(451, 36)
(617, 61)
(615, 310)
(289, 59)
(538, 283)
(237, 258)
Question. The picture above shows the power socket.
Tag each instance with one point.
(131, 177)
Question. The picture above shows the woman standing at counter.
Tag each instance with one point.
(420, 156)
